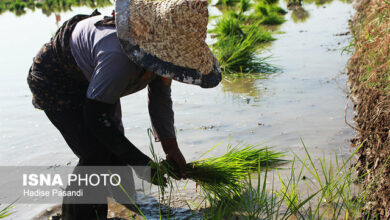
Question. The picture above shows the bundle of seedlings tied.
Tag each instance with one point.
(221, 176)
(240, 33)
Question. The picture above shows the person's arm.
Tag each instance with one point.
(162, 118)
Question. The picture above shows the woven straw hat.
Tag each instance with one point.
(168, 37)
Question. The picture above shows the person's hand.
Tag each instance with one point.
(174, 155)
(158, 178)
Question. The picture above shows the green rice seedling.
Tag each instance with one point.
(262, 9)
(239, 54)
(288, 192)
(270, 2)
(6, 211)
(220, 177)
(265, 9)
(31, 4)
(273, 19)
(227, 2)
(331, 195)
(17, 7)
(333, 187)
(251, 202)
(2, 7)
(278, 10)
(245, 5)
(256, 202)
(228, 26)
(268, 14)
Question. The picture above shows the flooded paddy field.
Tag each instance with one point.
(305, 100)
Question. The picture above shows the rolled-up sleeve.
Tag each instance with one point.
(160, 109)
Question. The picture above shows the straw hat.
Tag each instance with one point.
(168, 37)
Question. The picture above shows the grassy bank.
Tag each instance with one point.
(369, 75)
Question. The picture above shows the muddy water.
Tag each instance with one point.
(305, 100)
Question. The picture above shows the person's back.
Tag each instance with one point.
(97, 51)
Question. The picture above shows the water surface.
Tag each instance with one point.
(304, 101)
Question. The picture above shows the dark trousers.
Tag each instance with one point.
(90, 153)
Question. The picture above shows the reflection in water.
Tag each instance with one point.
(317, 2)
(299, 14)
(19, 7)
(242, 88)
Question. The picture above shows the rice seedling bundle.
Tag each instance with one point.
(222, 176)
(238, 54)
(240, 35)
(227, 2)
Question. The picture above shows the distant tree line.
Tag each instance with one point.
(20, 7)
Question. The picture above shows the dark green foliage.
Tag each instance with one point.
(273, 19)
(245, 5)
(238, 54)
(228, 26)
(266, 9)
(279, 10)
(270, 2)
(269, 14)
(227, 2)
(240, 34)
(262, 9)
(237, 45)
(48, 6)
(222, 176)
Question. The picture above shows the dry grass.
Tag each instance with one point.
(372, 51)
(369, 74)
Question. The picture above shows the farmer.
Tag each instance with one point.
(78, 78)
